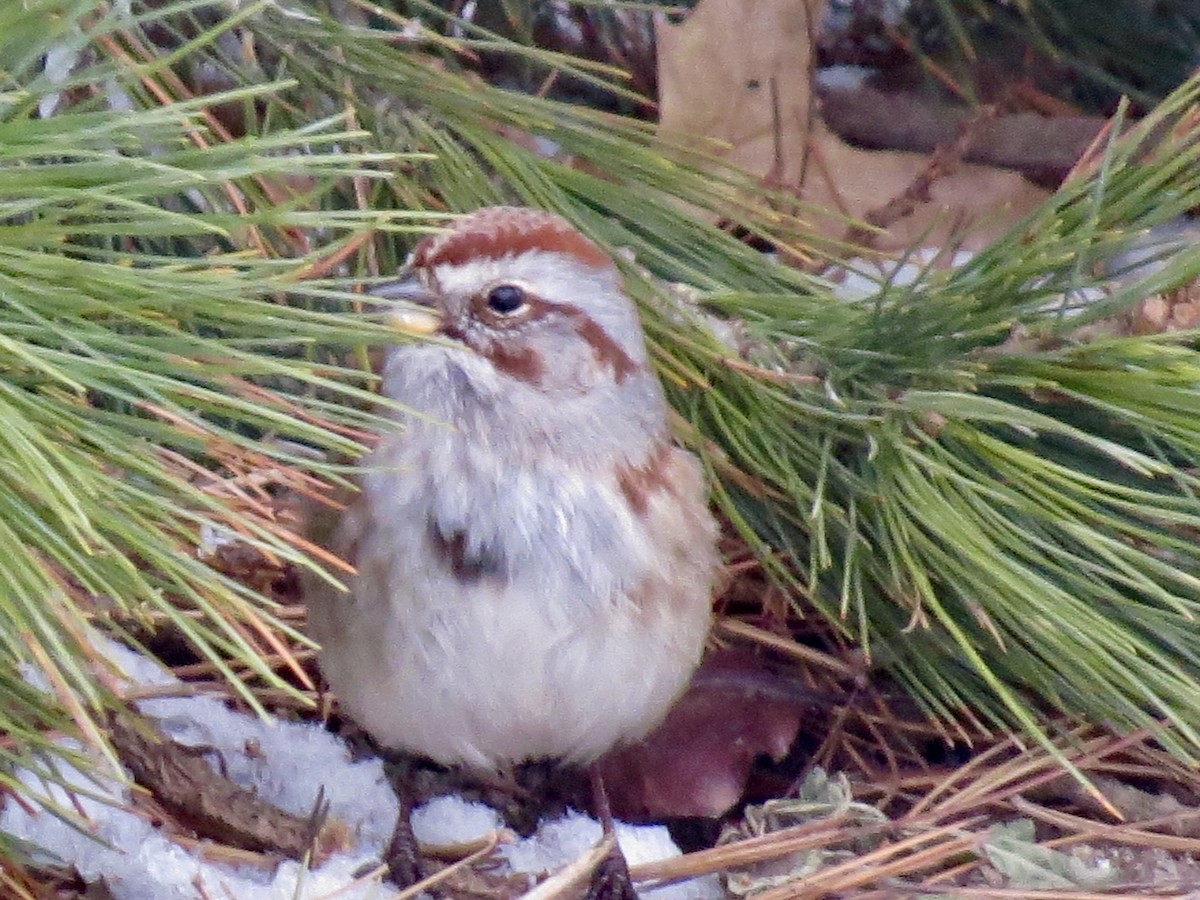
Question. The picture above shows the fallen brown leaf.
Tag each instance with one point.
(738, 77)
(698, 761)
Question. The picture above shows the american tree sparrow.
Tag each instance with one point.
(534, 556)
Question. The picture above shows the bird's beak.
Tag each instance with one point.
(422, 318)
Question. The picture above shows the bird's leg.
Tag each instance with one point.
(403, 856)
(611, 879)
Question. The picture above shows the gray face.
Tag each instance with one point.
(543, 317)
(540, 347)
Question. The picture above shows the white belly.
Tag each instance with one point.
(489, 679)
(562, 657)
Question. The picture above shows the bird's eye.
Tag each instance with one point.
(506, 299)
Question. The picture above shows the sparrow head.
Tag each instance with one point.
(527, 293)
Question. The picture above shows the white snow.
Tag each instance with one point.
(842, 77)
(451, 820)
(558, 843)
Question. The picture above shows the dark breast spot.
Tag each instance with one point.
(464, 563)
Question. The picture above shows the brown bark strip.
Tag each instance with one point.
(183, 782)
(1042, 148)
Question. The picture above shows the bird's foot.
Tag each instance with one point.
(611, 879)
(403, 857)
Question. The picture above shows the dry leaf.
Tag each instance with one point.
(697, 762)
(742, 75)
